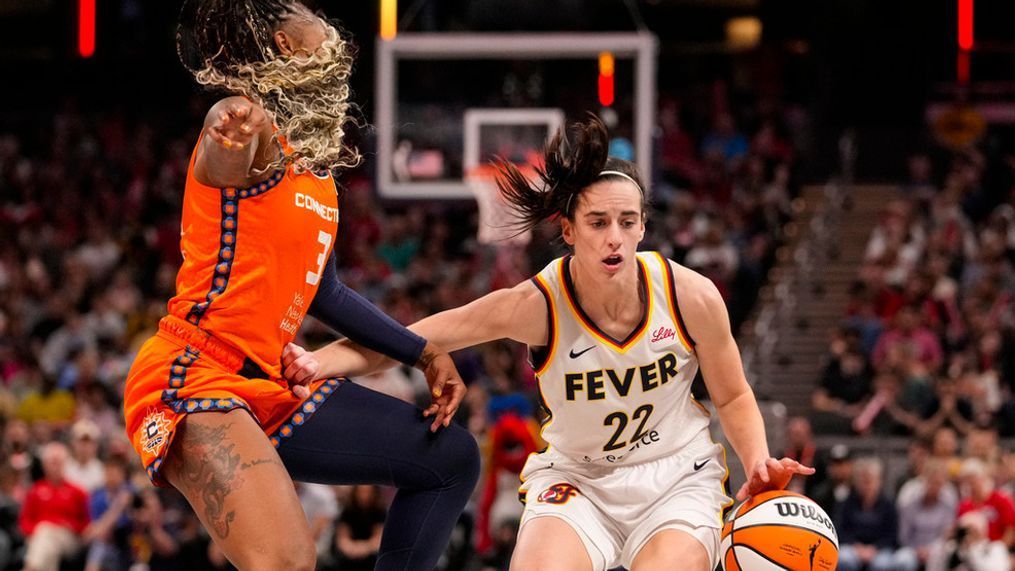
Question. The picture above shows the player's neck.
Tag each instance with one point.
(607, 297)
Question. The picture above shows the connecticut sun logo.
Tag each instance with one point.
(154, 431)
(557, 494)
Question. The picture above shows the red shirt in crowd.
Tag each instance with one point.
(999, 509)
(62, 504)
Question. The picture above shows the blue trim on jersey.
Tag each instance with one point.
(178, 373)
(227, 241)
(305, 411)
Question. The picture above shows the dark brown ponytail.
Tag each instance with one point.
(569, 168)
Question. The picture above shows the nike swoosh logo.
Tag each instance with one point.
(580, 353)
(700, 466)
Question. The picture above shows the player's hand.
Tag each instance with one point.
(771, 474)
(237, 125)
(446, 387)
(299, 368)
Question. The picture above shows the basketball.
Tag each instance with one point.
(779, 530)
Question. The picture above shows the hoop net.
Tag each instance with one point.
(497, 222)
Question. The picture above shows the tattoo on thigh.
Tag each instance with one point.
(258, 462)
(211, 470)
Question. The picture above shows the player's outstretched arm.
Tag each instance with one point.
(518, 313)
(708, 323)
(234, 150)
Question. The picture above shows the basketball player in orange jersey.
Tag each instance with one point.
(206, 404)
(631, 476)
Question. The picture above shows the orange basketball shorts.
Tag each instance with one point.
(183, 370)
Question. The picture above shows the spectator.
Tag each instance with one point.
(108, 531)
(321, 508)
(54, 515)
(908, 338)
(358, 534)
(926, 514)
(845, 385)
(10, 506)
(725, 140)
(885, 411)
(47, 404)
(833, 491)
(151, 546)
(84, 467)
(917, 453)
(947, 408)
(982, 444)
(867, 522)
(972, 549)
(980, 495)
(715, 257)
(801, 447)
(945, 446)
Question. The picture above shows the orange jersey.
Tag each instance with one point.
(252, 259)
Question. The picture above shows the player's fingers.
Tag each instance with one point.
(762, 472)
(430, 410)
(742, 493)
(457, 394)
(219, 137)
(775, 468)
(289, 353)
(239, 110)
(305, 373)
(440, 379)
(301, 391)
(437, 418)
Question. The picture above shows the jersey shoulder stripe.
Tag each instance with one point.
(543, 356)
(671, 290)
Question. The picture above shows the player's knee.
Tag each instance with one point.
(461, 456)
(669, 547)
(297, 555)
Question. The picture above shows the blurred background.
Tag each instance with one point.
(842, 170)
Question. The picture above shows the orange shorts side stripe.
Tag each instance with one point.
(173, 376)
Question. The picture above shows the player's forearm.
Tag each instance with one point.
(347, 359)
(742, 423)
(345, 311)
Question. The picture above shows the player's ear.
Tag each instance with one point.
(285, 43)
(567, 230)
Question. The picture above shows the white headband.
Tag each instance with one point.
(618, 173)
(567, 207)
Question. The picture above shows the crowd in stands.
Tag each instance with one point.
(89, 230)
(925, 352)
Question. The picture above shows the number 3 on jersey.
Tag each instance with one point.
(324, 239)
(641, 413)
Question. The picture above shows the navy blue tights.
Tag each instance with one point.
(359, 436)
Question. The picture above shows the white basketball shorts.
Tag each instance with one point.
(616, 510)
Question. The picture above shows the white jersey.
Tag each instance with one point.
(618, 401)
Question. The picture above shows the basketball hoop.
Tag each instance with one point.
(498, 225)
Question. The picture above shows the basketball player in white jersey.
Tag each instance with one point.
(630, 476)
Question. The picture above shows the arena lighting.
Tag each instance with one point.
(389, 19)
(744, 33)
(606, 87)
(962, 67)
(966, 25)
(86, 28)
